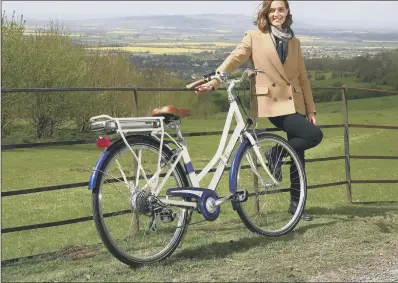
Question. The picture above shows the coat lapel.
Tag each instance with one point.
(290, 46)
(270, 51)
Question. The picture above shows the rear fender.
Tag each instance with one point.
(94, 174)
(115, 146)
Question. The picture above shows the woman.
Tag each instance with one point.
(283, 93)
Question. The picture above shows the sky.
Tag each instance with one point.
(378, 14)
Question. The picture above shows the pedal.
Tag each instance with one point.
(240, 196)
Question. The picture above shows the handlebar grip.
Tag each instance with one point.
(195, 84)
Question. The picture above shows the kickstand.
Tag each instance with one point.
(152, 225)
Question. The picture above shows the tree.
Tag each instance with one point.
(53, 61)
(12, 69)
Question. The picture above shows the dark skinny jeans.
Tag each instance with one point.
(301, 135)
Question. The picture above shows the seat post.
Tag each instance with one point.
(176, 126)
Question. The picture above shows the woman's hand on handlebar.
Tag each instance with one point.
(203, 88)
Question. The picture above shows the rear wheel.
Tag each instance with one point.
(135, 230)
(267, 210)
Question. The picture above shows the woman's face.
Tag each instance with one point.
(277, 13)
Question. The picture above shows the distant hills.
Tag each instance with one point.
(209, 21)
(235, 24)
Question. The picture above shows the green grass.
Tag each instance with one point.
(224, 248)
(342, 236)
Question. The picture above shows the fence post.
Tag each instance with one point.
(135, 94)
(346, 144)
(135, 221)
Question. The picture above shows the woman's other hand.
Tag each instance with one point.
(311, 118)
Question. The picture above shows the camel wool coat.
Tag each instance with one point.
(283, 88)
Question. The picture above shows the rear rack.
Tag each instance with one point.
(108, 125)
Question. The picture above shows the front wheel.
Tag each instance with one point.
(268, 208)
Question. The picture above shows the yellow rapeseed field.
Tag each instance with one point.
(170, 47)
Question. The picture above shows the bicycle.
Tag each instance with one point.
(157, 162)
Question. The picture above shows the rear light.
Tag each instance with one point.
(103, 142)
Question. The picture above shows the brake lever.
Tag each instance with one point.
(209, 74)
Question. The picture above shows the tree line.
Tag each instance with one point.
(380, 69)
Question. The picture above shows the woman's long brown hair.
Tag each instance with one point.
(262, 21)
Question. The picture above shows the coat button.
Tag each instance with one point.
(275, 99)
(288, 84)
(274, 85)
(290, 98)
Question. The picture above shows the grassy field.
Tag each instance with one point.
(342, 238)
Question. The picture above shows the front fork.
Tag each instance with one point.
(254, 142)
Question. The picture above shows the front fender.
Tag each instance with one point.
(233, 186)
(233, 172)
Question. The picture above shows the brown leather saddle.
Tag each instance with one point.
(171, 113)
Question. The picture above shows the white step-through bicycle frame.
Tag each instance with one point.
(155, 184)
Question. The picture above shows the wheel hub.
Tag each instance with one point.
(140, 202)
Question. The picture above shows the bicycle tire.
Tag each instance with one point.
(112, 247)
(234, 179)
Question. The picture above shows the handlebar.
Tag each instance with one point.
(223, 78)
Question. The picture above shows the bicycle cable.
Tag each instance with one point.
(249, 121)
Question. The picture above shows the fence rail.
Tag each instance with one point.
(346, 157)
(92, 141)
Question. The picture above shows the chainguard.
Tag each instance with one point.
(209, 202)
